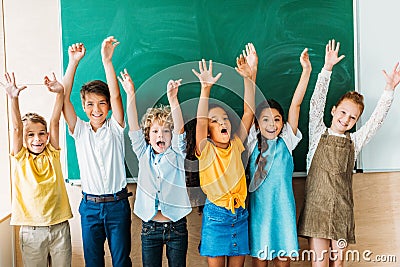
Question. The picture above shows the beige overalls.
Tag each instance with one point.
(328, 205)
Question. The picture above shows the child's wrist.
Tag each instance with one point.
(389, 87)
(74, 62)
(206, 87)
(328, 67)
(173, 101)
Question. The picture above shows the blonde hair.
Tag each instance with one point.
(35, 118)
(163, 116)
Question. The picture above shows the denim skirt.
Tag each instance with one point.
(223, 233)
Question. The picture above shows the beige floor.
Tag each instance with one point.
(377, 214)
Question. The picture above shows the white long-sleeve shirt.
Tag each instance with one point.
(316, 117)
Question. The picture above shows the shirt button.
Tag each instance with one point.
(166, 225)
(232, 224)
(234, 244)
(158, 191)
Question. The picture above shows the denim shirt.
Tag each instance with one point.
(161, 177)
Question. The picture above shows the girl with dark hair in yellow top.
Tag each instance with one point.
(224, 230)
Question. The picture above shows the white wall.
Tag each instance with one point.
(379, 49)
(32, 49)
(4, 158)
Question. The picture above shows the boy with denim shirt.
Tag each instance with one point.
(40, 202)
(105, 210)
(162, 201)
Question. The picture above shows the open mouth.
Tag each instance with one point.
(224, 131)
(37, 146)
(271, 131)
(160, 144)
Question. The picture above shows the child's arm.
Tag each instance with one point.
(107, 50)
(368, 130)
(298, 96)
(172, 93)
(207, 81)
(131, 110)
(252, 59)
(13, 93)
(249, 97)
(318, 99)
(75, 53)
(55, 87)
(332, 55)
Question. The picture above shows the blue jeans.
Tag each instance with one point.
(173, 234)
(111, 220)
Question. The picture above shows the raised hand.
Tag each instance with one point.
(392, 79)
(76, 52)
(205, 76)
(305, 60)
(243, 67)
(53, 85)
(332, 54)
(251, 57)
(127, 83)
(107, 47)
(172, 88)
(10, 87)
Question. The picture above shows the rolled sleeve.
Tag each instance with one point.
(178, 143)
(138, 142)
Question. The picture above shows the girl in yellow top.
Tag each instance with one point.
(224, 230)
(40, 202)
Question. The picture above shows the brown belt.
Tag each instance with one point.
(102, 199)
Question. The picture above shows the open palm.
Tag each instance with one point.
(205, 75)
(53, 85)
(393, 79)
(10, 87)
(251, 56)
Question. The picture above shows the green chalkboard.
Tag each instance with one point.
(156, 36)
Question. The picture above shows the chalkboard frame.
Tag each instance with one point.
(156, 35)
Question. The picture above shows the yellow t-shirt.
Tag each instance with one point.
(222, 176)
(39, 197)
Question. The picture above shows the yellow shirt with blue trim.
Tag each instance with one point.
(222, 176)
(39, 194)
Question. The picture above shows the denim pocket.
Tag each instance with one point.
(180, 229)
(214, 213)
(215, 218)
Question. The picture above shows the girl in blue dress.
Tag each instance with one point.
(272, 208)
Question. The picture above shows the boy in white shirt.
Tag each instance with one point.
(105, 210)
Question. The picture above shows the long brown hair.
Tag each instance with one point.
(261, 161)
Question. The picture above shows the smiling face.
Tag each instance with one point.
(345, 116)
(270, 123)
(219, 127)
(35, 137)
(160, 136)
(96, 108)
